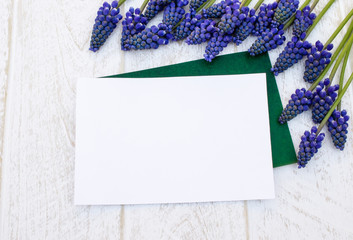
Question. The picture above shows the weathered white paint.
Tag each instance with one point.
(44, 49)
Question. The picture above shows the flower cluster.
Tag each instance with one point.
(303, 20)
(323, 98)
(309, 145)
(284, 11)
(173, 13)
(133, 23)
(295, 50)
(268, 40)
(300, 101)
(316, 61)
(338, 127)
(264, 18)
(246, 26)
(107, 18)
(203, 33)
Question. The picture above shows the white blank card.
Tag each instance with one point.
(172, 140)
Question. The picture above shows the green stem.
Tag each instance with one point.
(121, 3)
(247, 3)
(205, 5)
(144, 4)
(242, 3)
(318, 18)
(292, 18)
(258, 4)
(343, 23)
(313, 5)
(338, 62)
(322, 124)
(333, 58)
(346, 57)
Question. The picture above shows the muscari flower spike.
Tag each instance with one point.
(309, 145)
(270, 39)
(154, 7)
(134, 23)
(107, 18)
(203, 33)
(245, 28)
(216, 45)
(284, 11)
(295, 50)
(195, 4)
(232, 18)
(187, 26)
(217, 10)
(300, 101)
(338, 127)
(323, 98)
(264, 18)
(303, 20)
(150, 38)
(173, 13)
(316, 61)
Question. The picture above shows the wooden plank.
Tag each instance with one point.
(315, 202)
(5, 32)
(51, 41)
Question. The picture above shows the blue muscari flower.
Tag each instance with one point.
(264, 18)
(173, 13)
(316, 61)
(218, 9)
(246, 26)
(134, 23)
(195, 4)
(323, 98)
(300, 101)
(232, 18)
(268, 40)
(309, 145)
(203, 33)
(338, 127)
(295, 50)
(154, 7)
(150, 38)
(107, 18)
(284, 11)
(187, 26)
(216, 45)
(303, 20)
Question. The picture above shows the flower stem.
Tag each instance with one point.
(247, 3)
(242, 4)
(313, 5)
(340, 95)
(258, 4)
(343, 23)
(338, 62)
(121, 3)
(342, 76)
(205, 5)
(318, 18)
(143, 6)
(333, 58)
(292, 18)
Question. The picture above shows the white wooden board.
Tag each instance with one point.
(44, 49)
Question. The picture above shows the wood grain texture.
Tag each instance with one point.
(5, 33)
(49, 42)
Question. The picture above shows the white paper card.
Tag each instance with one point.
(172, 140)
